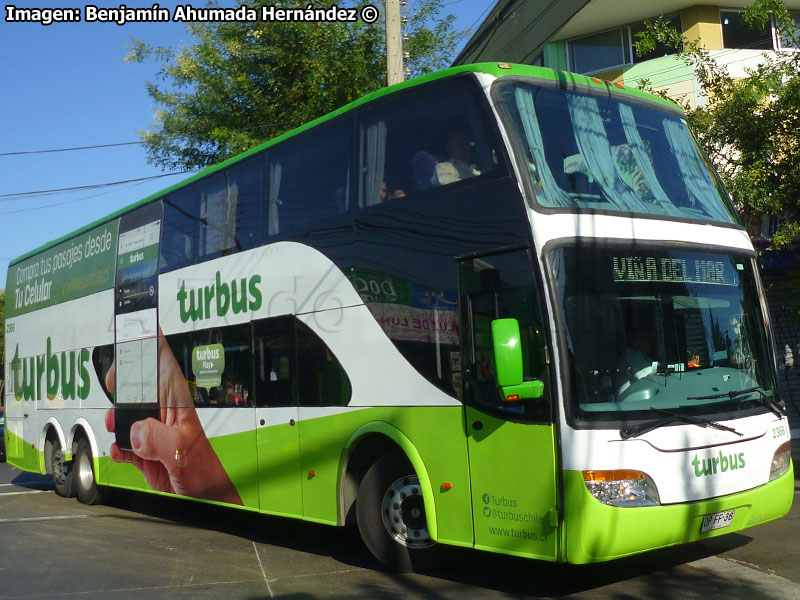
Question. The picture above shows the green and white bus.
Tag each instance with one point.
(498, 307)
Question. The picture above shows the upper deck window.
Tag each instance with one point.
(215, 216)
(309, 180)
(591, 152)
(417, 142)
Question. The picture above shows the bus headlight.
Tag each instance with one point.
(781, 460)
(622, 488)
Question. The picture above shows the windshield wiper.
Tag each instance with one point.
(763, 398)
(642, 428)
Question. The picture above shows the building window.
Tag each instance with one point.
(614, 48)
(794, 40)
(660, 49)
(600, 51)
(738, 34)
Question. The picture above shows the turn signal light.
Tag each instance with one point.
(612, 475)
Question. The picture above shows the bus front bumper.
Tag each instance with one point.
(596, 532)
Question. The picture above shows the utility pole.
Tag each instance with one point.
(394, 43)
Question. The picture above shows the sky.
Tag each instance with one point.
(66, 85)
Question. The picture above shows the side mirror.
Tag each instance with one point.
(507, 349)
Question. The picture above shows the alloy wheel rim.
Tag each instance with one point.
(403, 513)
(85, 473)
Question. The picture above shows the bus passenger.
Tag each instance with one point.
(385, 195)
(459, 165)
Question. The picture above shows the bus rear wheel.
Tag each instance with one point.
(86, 487)
(61, 470)
(390, 513)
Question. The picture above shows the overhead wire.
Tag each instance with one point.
(526, 29)
(480, 17)
(32, 194)
(70, 149)
(75, 200)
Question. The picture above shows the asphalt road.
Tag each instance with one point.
(145, 547)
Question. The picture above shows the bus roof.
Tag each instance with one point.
(495, 69)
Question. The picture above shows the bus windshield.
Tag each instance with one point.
(648, 328)
(594, 152)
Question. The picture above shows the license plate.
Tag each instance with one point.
(717, 521)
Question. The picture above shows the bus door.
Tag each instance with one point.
(277, 437)
(511, 438)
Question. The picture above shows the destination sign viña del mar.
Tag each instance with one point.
(644, 268)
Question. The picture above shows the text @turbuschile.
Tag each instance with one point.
(186, 13)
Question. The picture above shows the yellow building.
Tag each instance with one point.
(596, 38)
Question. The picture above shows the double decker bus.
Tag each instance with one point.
(498, 307)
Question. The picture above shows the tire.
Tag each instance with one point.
(61, 470)
(391, 515)
(86, 487)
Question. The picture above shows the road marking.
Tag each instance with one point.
(10, 485)
(23, 493)
(260, 564)
(52, 518)
(340, 572)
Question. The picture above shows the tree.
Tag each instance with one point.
(241, 84)
(750, 127)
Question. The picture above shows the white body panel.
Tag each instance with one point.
(296, 279)
(674, 455)
(79, 324)
(569, 226)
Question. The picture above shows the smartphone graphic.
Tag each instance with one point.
(136, 320)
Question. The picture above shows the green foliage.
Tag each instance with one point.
(750, 127)
(240, 84)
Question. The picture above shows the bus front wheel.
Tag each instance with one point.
(87, 489)
(61, 470)
(390, 513)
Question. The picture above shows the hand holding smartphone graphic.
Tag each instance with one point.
(174, 452)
